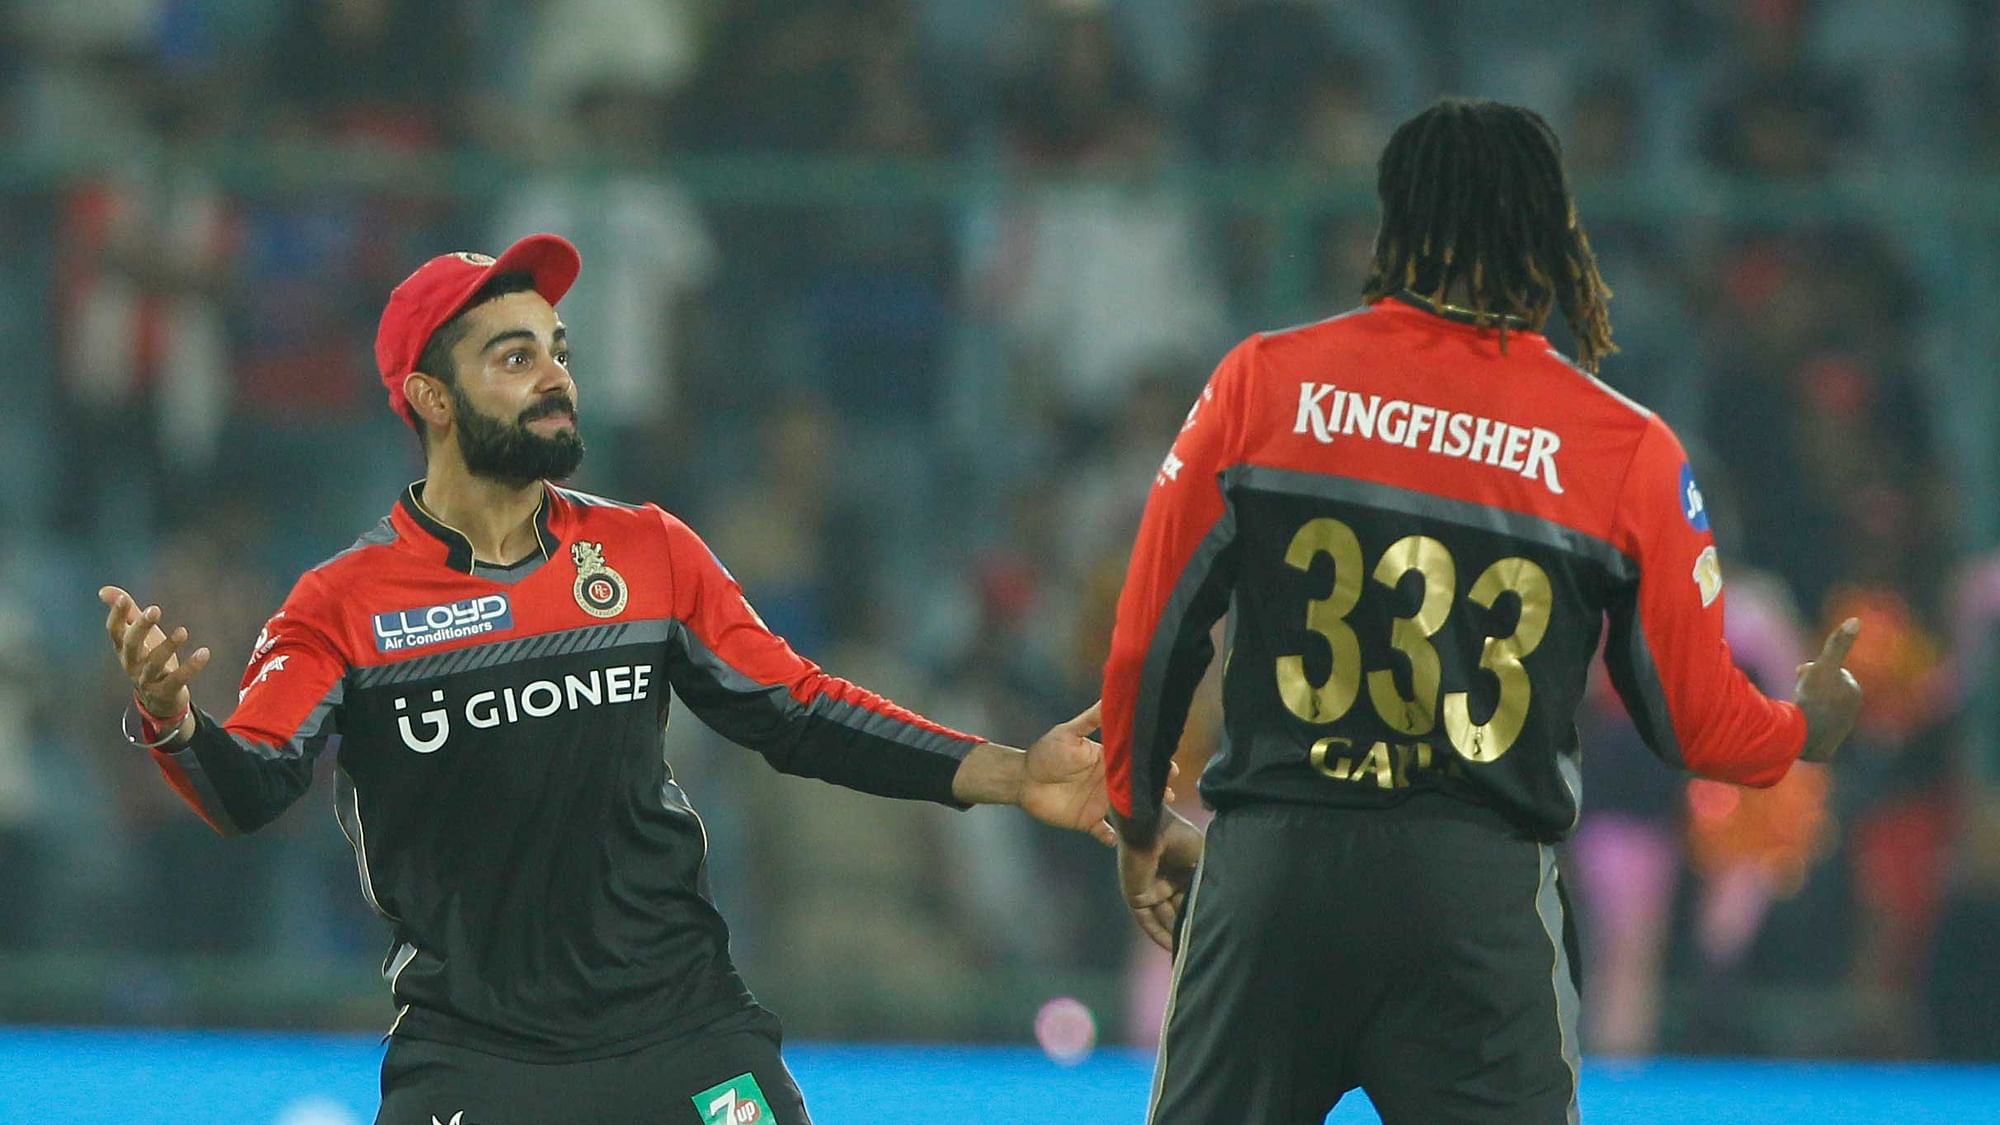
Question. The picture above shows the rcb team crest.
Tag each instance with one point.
(599, 589)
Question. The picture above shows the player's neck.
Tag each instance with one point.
(496, 517)
(1457, 297)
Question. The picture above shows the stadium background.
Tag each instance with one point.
(899, 303)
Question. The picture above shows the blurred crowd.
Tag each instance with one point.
(899, 302)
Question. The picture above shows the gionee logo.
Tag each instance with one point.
(625, 683)
(440, 724)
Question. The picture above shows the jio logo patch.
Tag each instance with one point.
(1692, 505)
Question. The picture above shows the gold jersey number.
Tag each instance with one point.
(1416, 713)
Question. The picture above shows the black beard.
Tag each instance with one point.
(514, 454)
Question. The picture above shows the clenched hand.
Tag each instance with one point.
(1829, 695)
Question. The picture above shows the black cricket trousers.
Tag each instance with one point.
(1421, 953)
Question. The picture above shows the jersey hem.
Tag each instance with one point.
(439, 1027)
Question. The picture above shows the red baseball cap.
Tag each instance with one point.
(439, 290)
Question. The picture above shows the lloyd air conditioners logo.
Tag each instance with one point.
(434, 624)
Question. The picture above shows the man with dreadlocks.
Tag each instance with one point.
(1419, 517)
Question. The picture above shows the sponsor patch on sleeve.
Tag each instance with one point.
(1708, 576)
(1692, 505)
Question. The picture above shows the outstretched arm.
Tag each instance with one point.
(1058, 781)
(151, 659)
(747, 683)
(241, 774)
(1666, 652)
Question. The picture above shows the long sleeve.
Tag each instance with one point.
(747, 683)
(1176, 587)
(242, 773)
(1666, 652)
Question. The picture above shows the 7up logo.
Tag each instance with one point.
(738, 1101)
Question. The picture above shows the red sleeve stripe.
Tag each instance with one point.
(812, 691)
(1175, 663)
(854, 706)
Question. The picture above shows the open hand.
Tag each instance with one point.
(151, 657)
(1829, 695)
(1063, 782)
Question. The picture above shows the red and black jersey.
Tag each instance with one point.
(501, 774)
(1418, 529)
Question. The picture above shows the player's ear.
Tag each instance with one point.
(428, 399)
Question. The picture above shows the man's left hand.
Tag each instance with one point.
(1063, 778)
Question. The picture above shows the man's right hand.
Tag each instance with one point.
(150, 656)
(1829, 695)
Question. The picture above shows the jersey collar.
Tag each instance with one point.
(1460, 314)
(424, 530)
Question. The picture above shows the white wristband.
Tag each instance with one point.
(125, 723)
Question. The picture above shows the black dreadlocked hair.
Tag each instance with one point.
(1474, 194)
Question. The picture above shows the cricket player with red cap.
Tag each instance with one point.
(496, 660)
